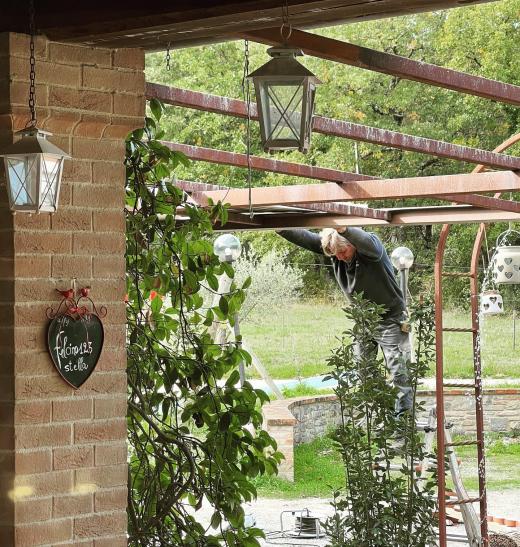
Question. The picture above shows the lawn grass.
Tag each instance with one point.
(318, 469)
(295, 341)
(502, 463)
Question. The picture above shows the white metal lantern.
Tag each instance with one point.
(491, 302)
(227, 247)
(33, 167)
(506, 260)
(285, 92)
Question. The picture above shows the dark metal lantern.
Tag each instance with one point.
(33, 167)
(285, 92)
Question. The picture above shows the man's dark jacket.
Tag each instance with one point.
(370, 271)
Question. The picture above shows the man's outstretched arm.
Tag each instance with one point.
(303, 238)
(366, 243)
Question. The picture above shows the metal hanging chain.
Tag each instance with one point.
(168, 57)
(247, 97)
(286, 28)
(32, 72)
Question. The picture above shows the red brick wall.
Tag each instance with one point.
(63, 451)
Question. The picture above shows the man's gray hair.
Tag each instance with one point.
(331, 241)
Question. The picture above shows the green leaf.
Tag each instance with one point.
(224, 422)
(157, 108)
(233, 379)
(216, 519)
(212, 281)
(223, 305)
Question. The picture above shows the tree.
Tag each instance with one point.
(194, 435)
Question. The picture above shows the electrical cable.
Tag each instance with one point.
(278, 534)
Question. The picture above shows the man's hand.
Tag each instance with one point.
(341, 230)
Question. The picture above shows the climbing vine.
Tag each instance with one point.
(195, 437)
(383, 502)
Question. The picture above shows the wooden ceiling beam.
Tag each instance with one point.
(153, 25)
(337, 128)
(433, 186)
(337, 208)
(476, 200)
(395, 65)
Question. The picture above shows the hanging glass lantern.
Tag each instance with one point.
(33, 167)
(285, 92)
(491, 303)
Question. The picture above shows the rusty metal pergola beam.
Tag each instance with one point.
(484, 201)
(331, 208)
(432, 186)
(337, 128)
(395, 65)
(456, 214)
(236, 159)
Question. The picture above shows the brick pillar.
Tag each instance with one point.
(63, 452)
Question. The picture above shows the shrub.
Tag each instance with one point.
(377, 508)
(273, 282)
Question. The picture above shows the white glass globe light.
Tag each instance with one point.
(227, 247)
(402, 258)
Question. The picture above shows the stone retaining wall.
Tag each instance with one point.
(303, 419)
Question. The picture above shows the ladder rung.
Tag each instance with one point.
(459, 385)
(456, 329)
(462, 443)
(457, 274)
(463, 500)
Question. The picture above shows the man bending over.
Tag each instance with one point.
(361, 264)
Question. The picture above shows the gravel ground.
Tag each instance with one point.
(267, 513)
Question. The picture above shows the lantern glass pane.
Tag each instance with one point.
(49, 178)
(23, 182)
(283, 102)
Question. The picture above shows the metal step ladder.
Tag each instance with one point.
(428, 465)
(462, 499)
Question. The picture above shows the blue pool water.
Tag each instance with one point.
(313, 381)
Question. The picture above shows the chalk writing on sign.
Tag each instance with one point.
(75, 346)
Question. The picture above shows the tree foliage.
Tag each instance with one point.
(195, 437)
(480, 40)
(272, 281)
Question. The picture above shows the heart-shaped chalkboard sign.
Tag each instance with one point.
(75, 345)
